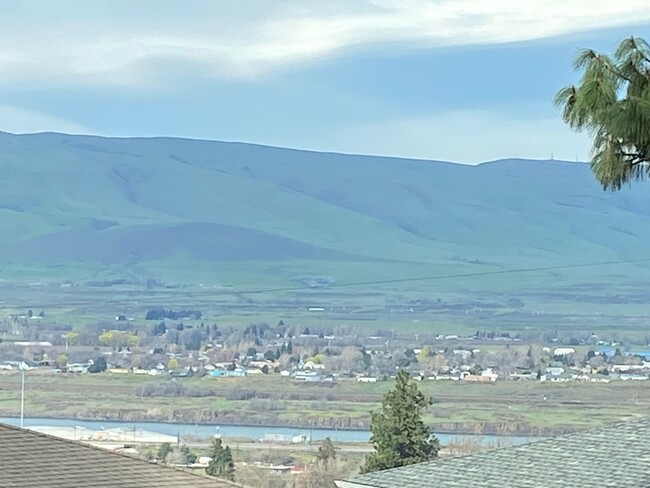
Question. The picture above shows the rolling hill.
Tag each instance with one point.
(82, 207)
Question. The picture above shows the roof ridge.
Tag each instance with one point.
(554, 438)
(105, 451)
(358, 479)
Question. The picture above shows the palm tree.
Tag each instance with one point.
(612, 102)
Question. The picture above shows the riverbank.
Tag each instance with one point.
(506, 408)
(143, 417)
(243, 432)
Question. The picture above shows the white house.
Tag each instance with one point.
(555, 371)
(563, 351)
(367, 379)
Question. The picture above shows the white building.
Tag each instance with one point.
(563, 351)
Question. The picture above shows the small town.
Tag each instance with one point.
(306, 354)
(308, 244)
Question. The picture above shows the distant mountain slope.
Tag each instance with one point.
(145, 204)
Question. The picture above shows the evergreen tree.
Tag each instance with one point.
(99, 365)
(159, 329)
(164, 450)
(221, 464)
(326, 453)
(612, 102)
(399, 435)
(187, 456)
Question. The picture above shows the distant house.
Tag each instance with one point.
(633, 377)
(486, 376)
(367, 379)
(465, 354)
(220, 373)
(563, 351)
(261, 364)
(308, 376)
(472, 378)
(118, 371)
(618, 368)
(596, 458)
(77, 367)
(448, 377)
(476, 378)
(33, 343)
(554, 371)
(182, 373)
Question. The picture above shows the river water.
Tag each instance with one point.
(244, 431)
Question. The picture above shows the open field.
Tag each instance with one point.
(404, 312)
(504, 407)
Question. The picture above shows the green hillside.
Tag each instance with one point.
(78, 208)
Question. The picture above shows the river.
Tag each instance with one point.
(244, 431)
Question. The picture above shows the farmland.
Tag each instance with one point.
(502, 408)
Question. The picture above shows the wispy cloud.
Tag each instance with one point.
(137, 43)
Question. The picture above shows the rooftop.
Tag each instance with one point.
(615, 456)
(35, 460)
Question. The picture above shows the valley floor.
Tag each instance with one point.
(508, 408)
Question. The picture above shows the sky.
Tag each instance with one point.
(455, 80)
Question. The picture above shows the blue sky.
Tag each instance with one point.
(459, 80)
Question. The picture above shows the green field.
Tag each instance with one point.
(179, 211)
(501, 408)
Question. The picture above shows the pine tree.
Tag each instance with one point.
(399, 436)
(164, 450)
(187, 456)
(612, 102)
(326, 453)
(221, 464)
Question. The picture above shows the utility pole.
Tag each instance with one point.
(22, 368)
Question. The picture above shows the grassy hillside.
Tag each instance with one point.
(78, 207)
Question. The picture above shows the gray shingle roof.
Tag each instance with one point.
(30, 459)
(615, 456)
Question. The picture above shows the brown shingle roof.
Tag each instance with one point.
(30, 459)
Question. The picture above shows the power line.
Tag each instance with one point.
(475, 274)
